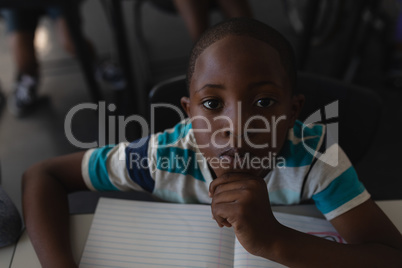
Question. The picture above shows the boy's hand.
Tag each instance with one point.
(241, 201)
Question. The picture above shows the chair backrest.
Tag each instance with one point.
(356, 110)
(144, 73)
(358, 114)
(169, 91)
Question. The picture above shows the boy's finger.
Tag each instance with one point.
(222, 222)
(226, 197)
(227, 178)
(242, 185)
(220, 214)
(219, 224)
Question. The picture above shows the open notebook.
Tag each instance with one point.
(149, 234)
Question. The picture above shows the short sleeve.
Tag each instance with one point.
(113, 168)
(341, 195)
(334, 185)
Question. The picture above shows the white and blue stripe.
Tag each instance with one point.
(334, 188)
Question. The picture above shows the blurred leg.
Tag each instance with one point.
(235, 8)
(195, 15)
(23, 51)
(21, 25)
(24, 94)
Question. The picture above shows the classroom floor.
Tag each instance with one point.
(41, 135)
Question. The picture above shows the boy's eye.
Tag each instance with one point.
(264, 103)
(212, 104)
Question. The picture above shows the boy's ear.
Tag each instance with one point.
(185, 103)
(296, 107)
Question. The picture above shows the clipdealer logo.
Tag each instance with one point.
(328, 113)
(323, 115)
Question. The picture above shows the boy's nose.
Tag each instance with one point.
(238, 117)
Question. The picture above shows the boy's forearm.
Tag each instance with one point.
(45, 207)
(295, 249)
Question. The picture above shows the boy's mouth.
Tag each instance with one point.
(236, 160)
(233, 154)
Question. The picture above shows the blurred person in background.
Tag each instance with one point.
(21, 25)
(195, 13)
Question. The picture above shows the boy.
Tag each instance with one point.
(242, 108)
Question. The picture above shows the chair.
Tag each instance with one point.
(146, 74)
(358, 112)
(169, 91)
(143, 53)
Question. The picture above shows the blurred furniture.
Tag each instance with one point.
(358, 115)
(317, 23)
(145, 72)
(357, 110)
(6, 255)
(169, 91)
(114, 11)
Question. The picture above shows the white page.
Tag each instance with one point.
(315, 226)
(147, 234)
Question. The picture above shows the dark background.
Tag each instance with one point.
(41, 135)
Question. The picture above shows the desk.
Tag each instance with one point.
(80, 224)
(25, 255)
(6, 255)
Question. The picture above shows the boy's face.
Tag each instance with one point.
(241, 105)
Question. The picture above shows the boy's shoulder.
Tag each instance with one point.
(302, 130)
(303, 143)
(171, 136)
(179, 136)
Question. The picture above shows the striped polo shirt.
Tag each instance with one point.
(171, 167)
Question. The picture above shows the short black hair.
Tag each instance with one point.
(251, 28)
